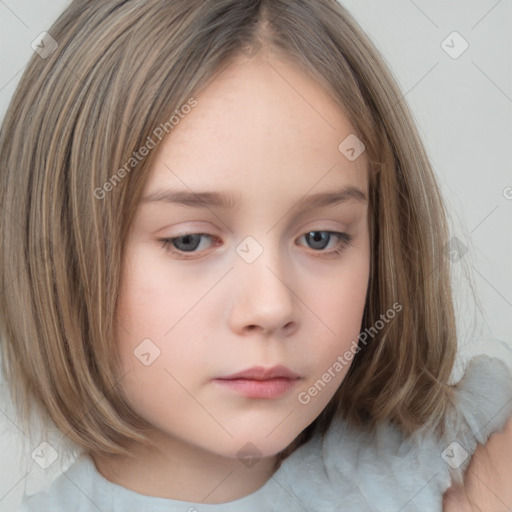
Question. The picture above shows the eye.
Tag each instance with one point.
(190, 243)
(320, 240)
(187, 243)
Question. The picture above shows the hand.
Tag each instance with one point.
(487, 482)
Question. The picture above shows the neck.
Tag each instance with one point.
(185, 472)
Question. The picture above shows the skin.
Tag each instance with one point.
(266, 132)
(487, 479)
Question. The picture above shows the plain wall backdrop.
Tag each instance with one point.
(462, 101)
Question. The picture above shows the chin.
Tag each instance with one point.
(257, 444)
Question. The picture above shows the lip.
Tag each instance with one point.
(260, 373)
(259, 382)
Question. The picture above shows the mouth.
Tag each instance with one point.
(259, 382)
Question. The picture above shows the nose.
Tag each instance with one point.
(263, 300)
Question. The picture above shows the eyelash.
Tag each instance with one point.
(345, 240)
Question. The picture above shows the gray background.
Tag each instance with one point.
(463, 107)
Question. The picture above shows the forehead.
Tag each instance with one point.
(261, 125)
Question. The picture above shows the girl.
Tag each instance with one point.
(232, 290)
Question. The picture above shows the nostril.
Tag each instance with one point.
(290, 328)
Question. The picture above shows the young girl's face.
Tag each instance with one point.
(253, 283)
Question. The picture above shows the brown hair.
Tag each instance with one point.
(120, 70)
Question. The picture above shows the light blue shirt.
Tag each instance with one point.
(349, 470)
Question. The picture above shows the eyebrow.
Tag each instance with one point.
(229, 201)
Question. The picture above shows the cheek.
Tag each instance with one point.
(339, 307)
(339, 301)
(155, 308)
(342, 314)
(155, 297)
(159, 345)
